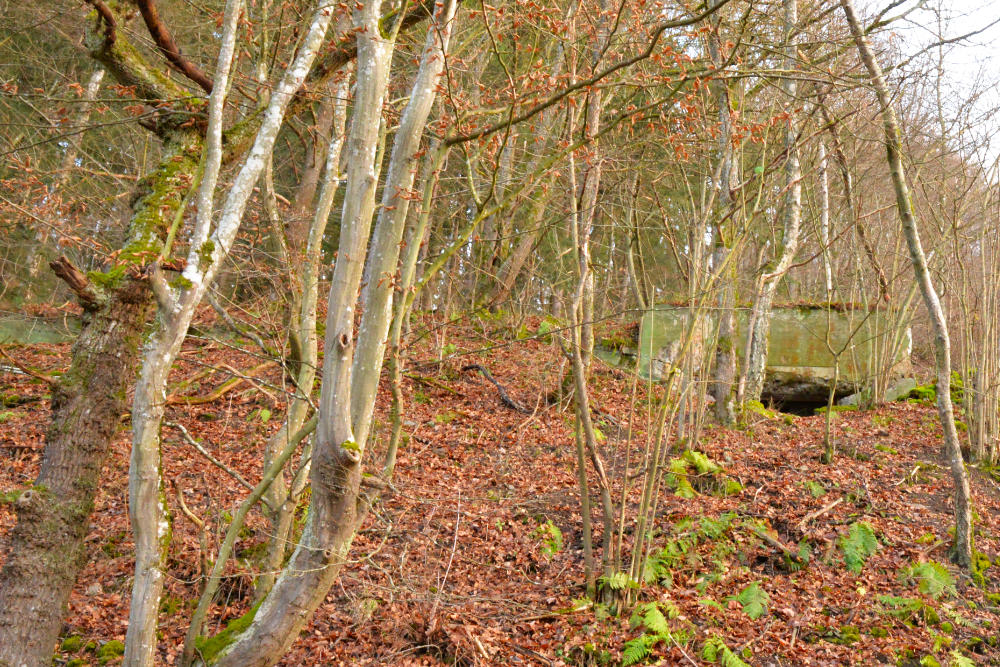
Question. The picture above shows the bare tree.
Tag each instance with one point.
(962, 552)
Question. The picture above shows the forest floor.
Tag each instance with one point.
(474, 555)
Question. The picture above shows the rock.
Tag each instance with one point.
(898, 390)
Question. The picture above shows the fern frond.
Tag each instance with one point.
(959, 660)
(670, 610)
(858, 546)
(702, 464)
(932, 578)
(754, 600)
(618, 581)
(636, 650)
(715, 650)
(655, 621)
(678, 479)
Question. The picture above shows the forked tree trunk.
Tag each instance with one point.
(209, 247)
(350, 375)
(962, 551)
(282, 499)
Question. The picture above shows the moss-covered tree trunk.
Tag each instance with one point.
(47, 547)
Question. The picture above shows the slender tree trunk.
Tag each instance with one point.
(962, 552)
(761, 317)
(721, 387)
(147, 505)
(281, 499)
(533, 228)
(350, 375)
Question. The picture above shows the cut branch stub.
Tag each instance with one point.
(77, 280)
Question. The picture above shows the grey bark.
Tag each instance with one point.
(350, 373)
(962, 551)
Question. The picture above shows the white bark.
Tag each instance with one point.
(761, 316)
(147, 506)
(824, 221)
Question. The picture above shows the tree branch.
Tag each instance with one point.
(90, 297)
(124, 61)
(204, 452)
(168, 47)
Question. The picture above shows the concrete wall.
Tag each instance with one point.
(799, 364)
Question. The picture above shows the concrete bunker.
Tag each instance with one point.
(800, 366)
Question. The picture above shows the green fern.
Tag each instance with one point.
(656, 570)
(618, 581)
(959, 660)
(754, 600)
(644, 610)
(702, 464)
(713, 529)
(932, 578)
(678, 479)
(638, 649)
(908, 610)
(858, 546)
(654, 617)
(715, 650)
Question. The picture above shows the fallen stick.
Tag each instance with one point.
(28, 370)
(820, 512)
(219, 391)
(776, 543)
(431, 382)
(504, 396)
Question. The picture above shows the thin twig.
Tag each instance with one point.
(204, 452)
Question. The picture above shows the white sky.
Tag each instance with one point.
(971, 64)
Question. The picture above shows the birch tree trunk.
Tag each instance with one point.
(350, 375)
(962, 550)
(761, 315)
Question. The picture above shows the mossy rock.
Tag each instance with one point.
(71, 644)
(757, 408)
(837, 408)
(110, 650)
(845, 636)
